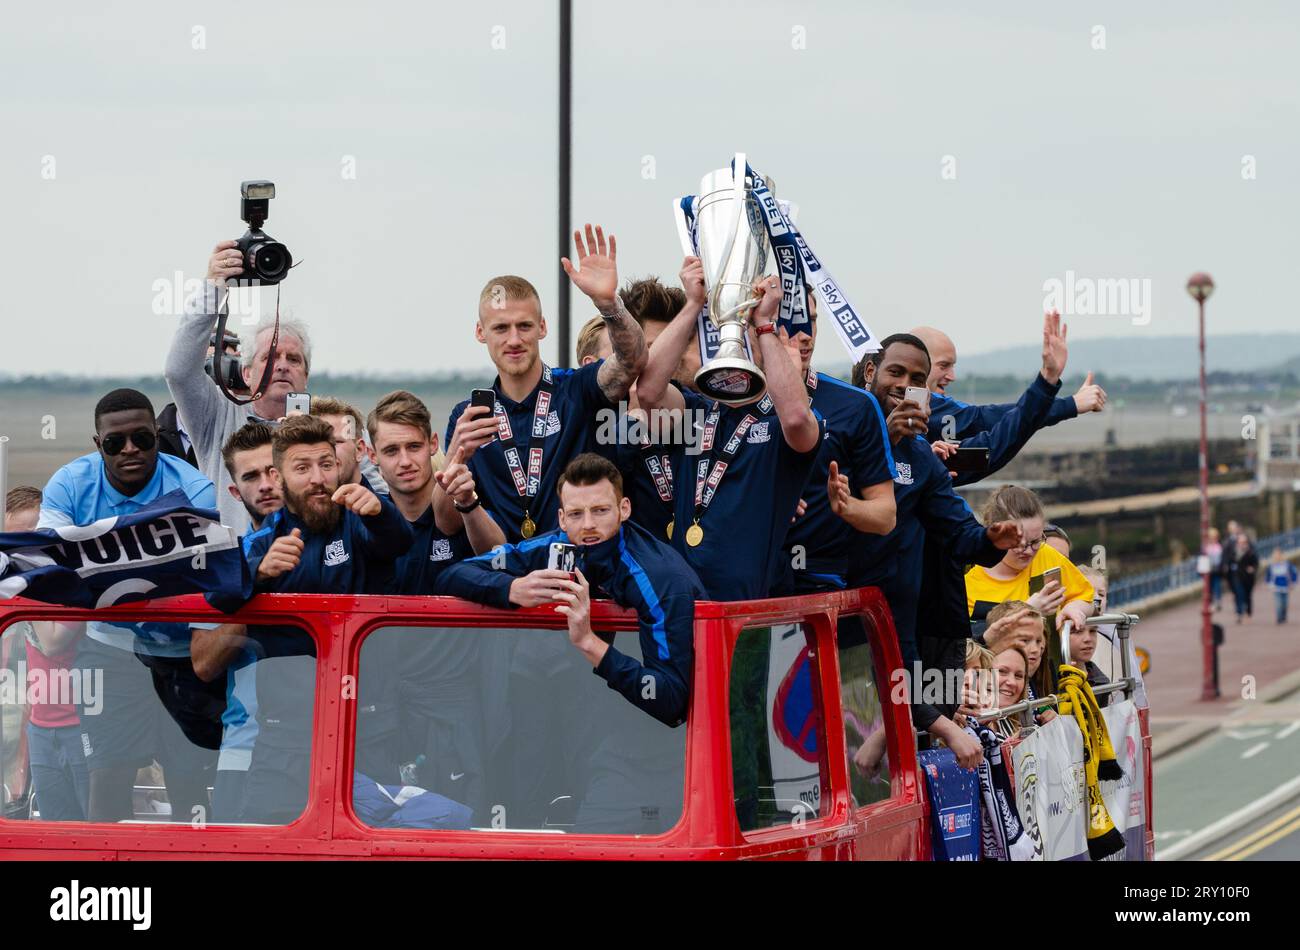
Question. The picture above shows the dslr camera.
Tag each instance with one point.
(266, 260)
(224, 362)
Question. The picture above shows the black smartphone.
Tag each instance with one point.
(968, 459)
(486, 398)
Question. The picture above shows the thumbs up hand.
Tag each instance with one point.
(1090, 397)
(282, 557)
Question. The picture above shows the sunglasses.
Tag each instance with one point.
(115, 442)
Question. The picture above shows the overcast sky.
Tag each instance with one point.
(124, 146)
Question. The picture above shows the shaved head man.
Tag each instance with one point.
(943, 358)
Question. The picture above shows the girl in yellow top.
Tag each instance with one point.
(1071, 599)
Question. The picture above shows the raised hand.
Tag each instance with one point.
(282, 556)
(456, 479)
(908, 419)
(769, 302)
(596, 273)
(357, 498)
(226, 262)
(1055, 350)
(1090, 397)
(837, 490)
(476, 427)
(692, 278)
(1005, 535)
(1003, 633)
(574, 601)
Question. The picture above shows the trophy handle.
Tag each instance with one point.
(737, 206)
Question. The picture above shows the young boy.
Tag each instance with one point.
(1083, 644)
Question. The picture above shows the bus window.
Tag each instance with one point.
(776, 727)
(506, 730)
(159, 722)
(864, 719)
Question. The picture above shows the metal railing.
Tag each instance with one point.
(1127, 682)
(1136, 587)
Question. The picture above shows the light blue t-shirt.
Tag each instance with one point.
(80, 494)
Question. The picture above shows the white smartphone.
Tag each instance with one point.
(562, 557)
(919, 395)
(297, 404)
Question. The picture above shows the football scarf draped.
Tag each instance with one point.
(1099, 761)
(166, 548)
(1002, 835)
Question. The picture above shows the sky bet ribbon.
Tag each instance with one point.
(797, 265)
(166, 548)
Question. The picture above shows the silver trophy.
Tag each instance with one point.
(735, 251)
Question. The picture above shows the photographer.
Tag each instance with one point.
(209, 417)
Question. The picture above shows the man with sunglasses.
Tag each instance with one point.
(133, 729)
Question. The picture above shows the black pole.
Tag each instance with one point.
(565, 170)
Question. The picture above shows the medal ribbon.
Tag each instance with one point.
(711, 469)
(528, 482)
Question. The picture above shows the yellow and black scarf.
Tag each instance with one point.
(1099, 761)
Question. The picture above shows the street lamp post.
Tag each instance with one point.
(1200, 286)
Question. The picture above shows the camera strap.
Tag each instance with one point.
(223, 314)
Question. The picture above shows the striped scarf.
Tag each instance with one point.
(1002, 836)
(1099, 761)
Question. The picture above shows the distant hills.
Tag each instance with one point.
(1152, 358)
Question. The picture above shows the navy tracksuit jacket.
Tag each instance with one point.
(357, 557)
(635, 571)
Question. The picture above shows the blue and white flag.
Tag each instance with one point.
(167, 548)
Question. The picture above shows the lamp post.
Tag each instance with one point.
(1200, 286)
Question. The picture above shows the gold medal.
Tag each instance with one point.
(669, 530)
(528, 528)
(694, 535)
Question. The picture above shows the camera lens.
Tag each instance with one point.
(269, 261)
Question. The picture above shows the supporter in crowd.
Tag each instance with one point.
(1010, 666)
(349, 443)
(925, 501)
(329, 538)
(1108, 658)
(1214, 551)
(732, 502)
(134, 728)
(1281, 578)
(1015, 622)
(218, 650)
(857, 460)
(60, 782)
(1083, 645)
(1242, 569)
(979, 685)
(547, 416)
(439, 709)
(1055, 536)
(1012, 578)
